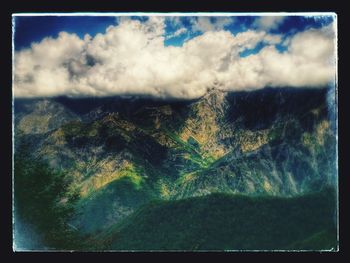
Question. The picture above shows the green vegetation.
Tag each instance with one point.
(40, 201)
(228, 222)
(109, 204)
(192, 151)
(326, 239)
(96, 182)
(111, 179)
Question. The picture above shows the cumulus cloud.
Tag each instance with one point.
(130, 58)
(205, 23)
(268, 22)
(201, 23)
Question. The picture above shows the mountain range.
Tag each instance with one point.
(137, 173)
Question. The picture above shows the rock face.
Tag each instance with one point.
(122, 152)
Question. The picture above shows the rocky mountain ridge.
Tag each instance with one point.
(119, 153)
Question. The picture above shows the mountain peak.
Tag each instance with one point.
(215, 98)
(214, 91)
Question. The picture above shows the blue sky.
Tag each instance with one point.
(30, 29)
(170, 56)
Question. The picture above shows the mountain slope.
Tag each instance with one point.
(121, 153)
(37, 116)
(229, 222)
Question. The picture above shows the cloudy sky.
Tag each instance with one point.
(170, 56)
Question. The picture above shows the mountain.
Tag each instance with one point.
(38, 116)
(118, 154)
(228, 222)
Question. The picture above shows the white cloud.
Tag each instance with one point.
(131, 58)
(204, 23)
(268, 22)
(177, 33)
(308, 62)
